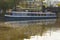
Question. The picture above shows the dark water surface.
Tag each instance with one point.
(46, 29)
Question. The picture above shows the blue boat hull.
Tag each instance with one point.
(26, 18)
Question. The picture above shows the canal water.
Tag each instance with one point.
(44, 29)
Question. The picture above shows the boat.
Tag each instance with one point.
(24, 16)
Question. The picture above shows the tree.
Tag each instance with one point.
(7, 4)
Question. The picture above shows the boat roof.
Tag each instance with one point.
(33, 12)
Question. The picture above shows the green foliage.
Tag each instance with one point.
(6, 4)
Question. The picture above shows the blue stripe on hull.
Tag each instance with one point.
(26, 18)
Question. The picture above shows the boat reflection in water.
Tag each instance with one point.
(41, 22)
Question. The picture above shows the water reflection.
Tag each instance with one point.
(31, 30)
(47, 36)
(40, 22)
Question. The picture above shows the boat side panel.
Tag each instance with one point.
(26, 18)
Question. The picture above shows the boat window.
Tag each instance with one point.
(33, 14)
(51, 14)
(43, 14)
(17, 14)
(38, 14)
(47, 14)
(10, 13)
